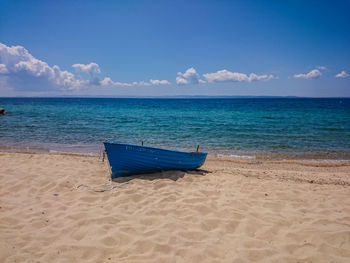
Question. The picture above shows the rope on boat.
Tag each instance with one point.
(103, 152)
(103, 155)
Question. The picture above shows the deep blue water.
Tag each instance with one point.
(240, 126)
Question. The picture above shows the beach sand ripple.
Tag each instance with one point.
(64, 208)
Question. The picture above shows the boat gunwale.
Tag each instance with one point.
(153, 148)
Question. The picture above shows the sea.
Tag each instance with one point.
(241, 128)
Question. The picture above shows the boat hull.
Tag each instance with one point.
(129, 159)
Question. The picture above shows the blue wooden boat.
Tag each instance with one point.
(128, 159)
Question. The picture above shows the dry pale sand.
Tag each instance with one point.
(64, 208)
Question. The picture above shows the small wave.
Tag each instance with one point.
(74, 153)
(317, 157)
(235, 156)
(336, 157)
(52, 149)
(25, 149)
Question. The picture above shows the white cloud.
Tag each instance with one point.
(189, 77)
(313, 74)
(90, 69)
(342, 75)
(159, 82)
(25, 72)
(3, 69)
(228, 76)
(19, 70)
(108, 82)
(321, 67)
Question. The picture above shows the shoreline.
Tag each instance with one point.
(326, 156)
(218, 161)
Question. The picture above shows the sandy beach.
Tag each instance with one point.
(65, 208)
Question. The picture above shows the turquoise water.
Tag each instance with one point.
(246, 127)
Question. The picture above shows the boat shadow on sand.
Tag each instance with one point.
(173, 175)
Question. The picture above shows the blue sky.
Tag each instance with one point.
(160, 48)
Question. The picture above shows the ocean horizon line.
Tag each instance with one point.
(171, 97)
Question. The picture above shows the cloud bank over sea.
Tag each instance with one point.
(21, 71)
